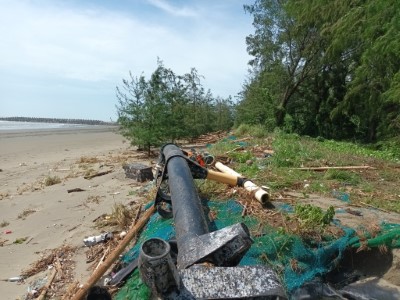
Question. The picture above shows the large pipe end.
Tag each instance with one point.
(156, 267)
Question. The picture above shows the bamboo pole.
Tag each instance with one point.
(114, 255)
(48, 284)
(335, 168)
(259, 193)
(222, 177)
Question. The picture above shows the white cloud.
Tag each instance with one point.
(170, 9)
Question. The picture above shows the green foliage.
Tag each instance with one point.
(241, 157)
(313, 217)
(169, 107)
(343, 176)
(255, 131)
(20, 240)
(334, 75)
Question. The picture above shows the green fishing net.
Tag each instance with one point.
(295, 260)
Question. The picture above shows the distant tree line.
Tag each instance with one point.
(324, 68)
(56, 120)
(168, 107)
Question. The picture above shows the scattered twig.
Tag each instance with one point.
(75, 190)
(48, 284)
(378, 208)
(241, 140)
(115, 254)
(74, 227)
(102, 258)
(73, 287)
(97, 174)
(244, 211)
(335, 168)
(234, 149)
(137, 214)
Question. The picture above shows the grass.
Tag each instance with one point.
(121, 216)
(379, 187)
(20, 240)
(51, 180)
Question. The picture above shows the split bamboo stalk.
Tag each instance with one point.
(114, 255)
(48, 284)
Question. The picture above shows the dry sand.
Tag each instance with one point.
(47, 216)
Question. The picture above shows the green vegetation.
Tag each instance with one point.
(379, 187)
(313, 217)
(334, 74)
(169, 107)
(20, 240)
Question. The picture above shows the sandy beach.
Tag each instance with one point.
(35, 217)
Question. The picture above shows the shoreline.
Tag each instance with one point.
(9, 133)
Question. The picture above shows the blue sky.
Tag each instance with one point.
(65, 58)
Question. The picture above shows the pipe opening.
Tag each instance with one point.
(155, 248)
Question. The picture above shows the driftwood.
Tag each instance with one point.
(97, 174)
(48, 284)
(335, 168)
(72, 288)
(114, 255)
(75, 190)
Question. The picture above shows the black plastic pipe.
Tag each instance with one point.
(186, 205)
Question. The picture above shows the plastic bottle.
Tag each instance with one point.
(93, 240)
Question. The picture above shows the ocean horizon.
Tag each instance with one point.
(22, 126)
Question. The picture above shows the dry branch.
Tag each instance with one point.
(75, 190)
(97, 174)
(335, 168)
(114, 255)
(48, 284)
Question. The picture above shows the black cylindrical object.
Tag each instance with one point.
(156, 267)
(186, 205)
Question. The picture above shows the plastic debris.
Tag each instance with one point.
(93, 240)
(345, 197)
(15, 279)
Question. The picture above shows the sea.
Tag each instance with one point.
(24, 126)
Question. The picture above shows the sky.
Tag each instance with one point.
(64, 58)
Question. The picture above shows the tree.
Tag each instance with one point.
(285, 45)
(168, 107)
(331, 67)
